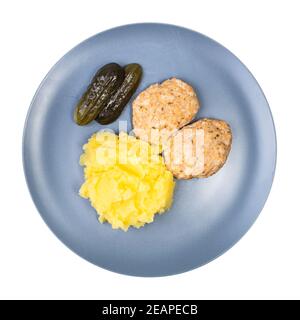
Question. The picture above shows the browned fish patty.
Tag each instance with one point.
(213, 145)
(164, 107)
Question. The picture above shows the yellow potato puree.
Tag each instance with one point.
(126, 180)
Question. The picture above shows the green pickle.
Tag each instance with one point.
(102, 87)
(118, 101)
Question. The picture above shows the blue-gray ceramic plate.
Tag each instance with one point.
(208, 216)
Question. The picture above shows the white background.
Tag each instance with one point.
(265, 264)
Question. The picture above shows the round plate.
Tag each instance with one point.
(208, 216)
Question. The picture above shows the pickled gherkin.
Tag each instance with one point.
(117, 102)
(102, 87)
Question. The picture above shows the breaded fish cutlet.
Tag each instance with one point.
(214, 144)
(163, 108)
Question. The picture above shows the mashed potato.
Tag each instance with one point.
(126, 180)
